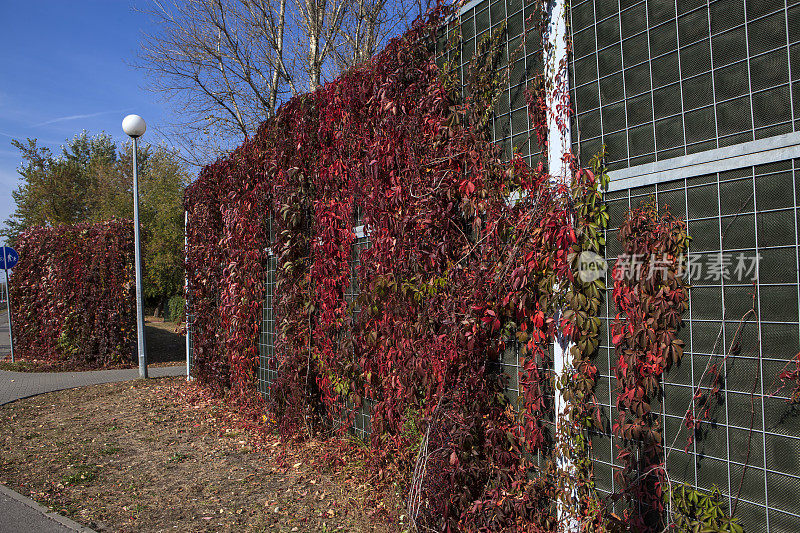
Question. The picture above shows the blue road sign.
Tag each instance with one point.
(10, 257)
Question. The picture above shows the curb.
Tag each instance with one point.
(41, 509)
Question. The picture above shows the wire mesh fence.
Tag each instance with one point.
(362, 415)
(658, 79)
(520, 42)
(743, 318)
(267, 366)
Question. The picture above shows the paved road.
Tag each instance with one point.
(18, 385)
(19, 514)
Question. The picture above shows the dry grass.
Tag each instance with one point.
(153, 456)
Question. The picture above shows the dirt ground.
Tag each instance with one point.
(165, 346)
(160, 456)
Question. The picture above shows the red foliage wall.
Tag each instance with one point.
(73, 294)
(454, 275)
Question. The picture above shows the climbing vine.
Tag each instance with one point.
(472, 260)
(651, 296)
(790, 375)
(72, 294)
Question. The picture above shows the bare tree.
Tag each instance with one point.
(360, 35)
(222, 62)
(320, 21)
(265, 22)
(369, 24)
(229, 64)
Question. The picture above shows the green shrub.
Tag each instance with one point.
(176, 309)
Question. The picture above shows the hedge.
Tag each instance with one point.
(73, 294)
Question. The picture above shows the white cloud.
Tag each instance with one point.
(76, 117)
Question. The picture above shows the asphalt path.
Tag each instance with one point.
(19, 514)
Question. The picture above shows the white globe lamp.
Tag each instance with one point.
(134, 126)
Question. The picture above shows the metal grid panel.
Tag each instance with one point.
(511, 364)
(753, 436)
(267, 366)
(353, 289)
(362, 421)
(522, 43)
(658, 79)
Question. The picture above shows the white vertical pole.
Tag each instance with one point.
(186, 294)
(559, 134)
(141, 343)
(559, 138)
(8, 304)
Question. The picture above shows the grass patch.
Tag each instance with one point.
(178, 457)
(81, 475)
(110, 449)
(20, 366)
(117, 467)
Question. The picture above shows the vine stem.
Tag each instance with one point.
(749, 444)
(708, 365)
(719, 335)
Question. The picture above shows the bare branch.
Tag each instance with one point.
(227, 65)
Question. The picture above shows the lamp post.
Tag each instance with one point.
(134, 126)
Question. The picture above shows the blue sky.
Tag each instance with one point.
(66, 66)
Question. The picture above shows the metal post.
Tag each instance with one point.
(186, 294)
(142, 348)
(559, 134)
(559, 137)
(8, 305)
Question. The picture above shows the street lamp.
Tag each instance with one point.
(134, 126)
